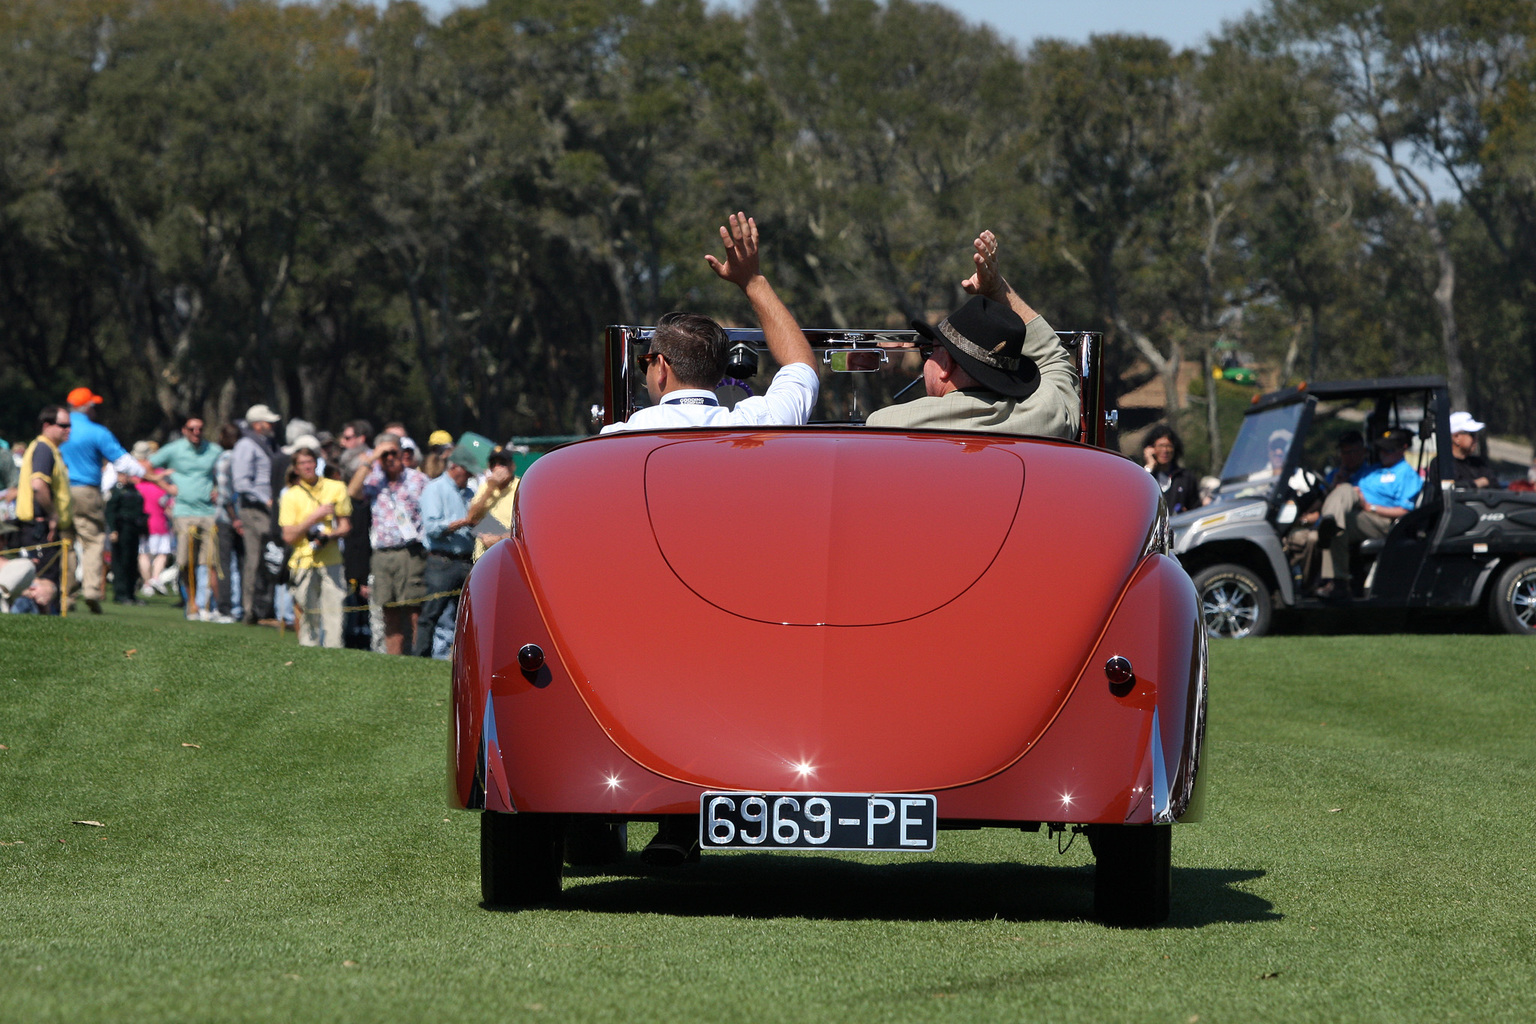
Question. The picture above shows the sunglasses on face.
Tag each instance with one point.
(648, 358)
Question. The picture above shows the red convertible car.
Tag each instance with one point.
(830, 637)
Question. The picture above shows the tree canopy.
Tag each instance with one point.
(341, 210)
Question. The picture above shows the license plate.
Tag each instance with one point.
(818, 821)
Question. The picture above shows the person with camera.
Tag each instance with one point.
(689, 352)
(314, 514)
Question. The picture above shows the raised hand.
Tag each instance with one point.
(741, 262)
(986, 280)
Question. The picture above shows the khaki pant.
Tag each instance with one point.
(90, 530)
(318, 594)
(199, 530)
(1346, 524)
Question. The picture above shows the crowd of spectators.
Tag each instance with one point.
(351, 538)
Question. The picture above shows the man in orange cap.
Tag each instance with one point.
(90, 447)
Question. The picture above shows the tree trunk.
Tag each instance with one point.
(1167, 367)
(1418, 193)
(1212, 420)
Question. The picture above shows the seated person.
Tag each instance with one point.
(1469, 469)
(688, 354)
(1383, 495)
(37, 599)
(16, 575)
(1336, 496)
(995, 365)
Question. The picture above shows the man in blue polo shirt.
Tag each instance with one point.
(1381, 497)
(91, 446)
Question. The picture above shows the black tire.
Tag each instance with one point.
(1133, 876)
(1234, 602)
(520, 858)
(593, 842)
(1512, 605)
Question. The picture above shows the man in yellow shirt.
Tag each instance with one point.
(314, 514)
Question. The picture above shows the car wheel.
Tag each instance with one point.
(1133, 874)
(594, 843)
(1234, 602)
(520, 858)
(1514, 599)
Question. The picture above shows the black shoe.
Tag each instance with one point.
(675, 843)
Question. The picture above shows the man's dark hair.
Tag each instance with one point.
(362, 428)
(50, 414)
(1351, 437)
(1161, 431)
(229, 435)
(696, 347)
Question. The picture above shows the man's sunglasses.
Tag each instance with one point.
(646, 359)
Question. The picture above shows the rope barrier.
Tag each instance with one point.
(61, 556)
(34, 547)
(191, 581)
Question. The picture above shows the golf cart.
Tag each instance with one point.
(1457, 549)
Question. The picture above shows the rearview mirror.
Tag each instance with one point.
(858, 360)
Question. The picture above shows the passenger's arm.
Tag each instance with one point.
(988, 282)
(1058, 375)
(785, 340)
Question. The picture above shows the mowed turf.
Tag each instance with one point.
(1367, 856)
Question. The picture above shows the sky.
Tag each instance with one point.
(1184, 23)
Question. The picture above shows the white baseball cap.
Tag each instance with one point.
(1463, 423)
(261, 414)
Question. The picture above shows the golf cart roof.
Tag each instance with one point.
(1345, 389)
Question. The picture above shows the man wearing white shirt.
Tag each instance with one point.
(688, 351)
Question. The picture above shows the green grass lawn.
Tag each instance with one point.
(1367, 855)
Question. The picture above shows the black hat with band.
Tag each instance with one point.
(987, 338)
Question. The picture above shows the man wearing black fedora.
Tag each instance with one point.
(994, 365)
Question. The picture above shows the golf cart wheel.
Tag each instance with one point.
(1514, 599)
(1234, 601)
(521, 858)
(1133, 873)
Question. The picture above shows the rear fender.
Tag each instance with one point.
(537, 721)
(1130, 757)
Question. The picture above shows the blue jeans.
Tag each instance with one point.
(434, 629)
